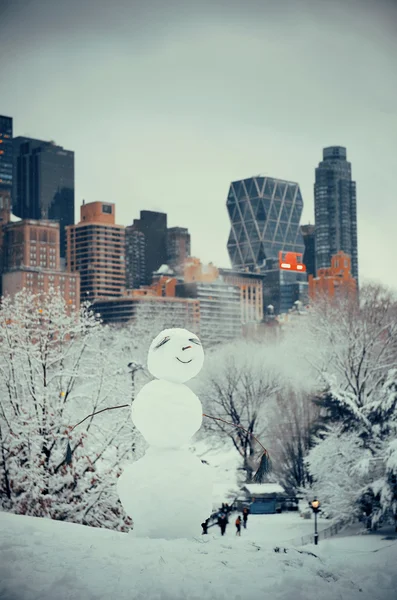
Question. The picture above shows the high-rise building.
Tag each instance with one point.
(335, 209)
(251, 293)
(135, 264)
(264, 214)
(220, 302)
(309, 255)
(178, 246)
(220, 310)
(6, 154)
(31, 260)
(154, 227)
(43, 183)
(95, 248)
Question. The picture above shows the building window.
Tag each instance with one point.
(107, 209)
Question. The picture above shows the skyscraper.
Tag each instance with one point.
(335, 209)
(43, 186)
(154, 227)
(135, 264)
(6, 154)
(178, 246)
(309, 255)
(95, 248)
(264, 214)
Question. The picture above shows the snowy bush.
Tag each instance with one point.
(56, 368)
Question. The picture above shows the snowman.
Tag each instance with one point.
(168, 492)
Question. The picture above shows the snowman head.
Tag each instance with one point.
(175, 355)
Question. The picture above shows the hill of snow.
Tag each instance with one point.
(49, 560)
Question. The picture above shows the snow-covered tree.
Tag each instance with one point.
(353, 346)
(55, 368)
(340, 465)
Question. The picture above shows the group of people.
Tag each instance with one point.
(223, 520)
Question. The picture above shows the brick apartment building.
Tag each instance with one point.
(30, 257)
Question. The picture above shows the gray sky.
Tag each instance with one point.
(166, 102)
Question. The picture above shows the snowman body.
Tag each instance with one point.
(168, 492)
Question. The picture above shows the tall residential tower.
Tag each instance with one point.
(335, 209)
(95, 248)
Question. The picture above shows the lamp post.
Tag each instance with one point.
(134, 367)
(315, 506)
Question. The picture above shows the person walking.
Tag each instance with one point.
(222, 522)
(238, 525)
(205, 527)
(245, 516)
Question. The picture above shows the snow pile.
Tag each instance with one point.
(264, 488)
(45, 559)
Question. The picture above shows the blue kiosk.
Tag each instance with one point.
(264, 498)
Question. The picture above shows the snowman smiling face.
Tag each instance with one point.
(175, 355)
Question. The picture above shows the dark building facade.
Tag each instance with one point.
(309, 254)
(153, 225)
(135, 263)
(335, 209)
(43, 186)
(281, 289)
(6, 154)
(264, 213)
(178, 246)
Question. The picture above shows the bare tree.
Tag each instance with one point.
(292, 424)
(239, 387)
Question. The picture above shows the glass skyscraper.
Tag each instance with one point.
(154, 227)
(335, 209)
(6, 154)
(43, 186)
(264, 214)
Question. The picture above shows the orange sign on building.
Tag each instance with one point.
(291, 261)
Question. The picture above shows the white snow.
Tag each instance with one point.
(264, 488)
(47, 560)
(164, 270)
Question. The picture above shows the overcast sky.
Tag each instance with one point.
(166, 101)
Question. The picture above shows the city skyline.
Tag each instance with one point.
(160, 121)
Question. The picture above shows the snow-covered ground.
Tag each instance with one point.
(42, 559)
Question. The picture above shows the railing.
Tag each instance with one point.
(322, 535)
